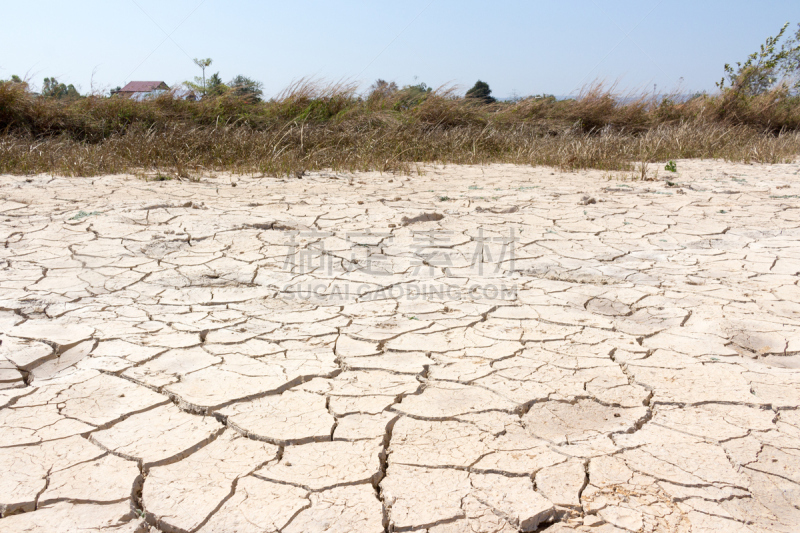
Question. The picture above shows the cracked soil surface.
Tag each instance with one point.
(474, 349)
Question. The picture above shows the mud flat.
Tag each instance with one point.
(484, 349)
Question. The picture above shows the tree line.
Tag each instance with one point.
(774, 67)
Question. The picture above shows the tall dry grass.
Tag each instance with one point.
(314, 126)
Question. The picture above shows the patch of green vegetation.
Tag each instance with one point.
(84, 214)
(672, 166)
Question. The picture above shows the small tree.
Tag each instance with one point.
(244, 87)
(215, 87)
(766, 69)
(412, 96)
(203, 64)
(481, 91)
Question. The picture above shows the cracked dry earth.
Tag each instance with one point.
(589, 355)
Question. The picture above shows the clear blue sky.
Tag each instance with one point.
(527, 47)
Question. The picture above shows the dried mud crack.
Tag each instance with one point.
(541, 352)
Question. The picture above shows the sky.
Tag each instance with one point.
(520, 47)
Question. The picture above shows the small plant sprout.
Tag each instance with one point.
(671, 166)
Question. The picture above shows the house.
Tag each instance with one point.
(140, 90)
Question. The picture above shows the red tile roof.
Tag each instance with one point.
(143, 86)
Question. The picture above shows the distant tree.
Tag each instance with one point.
(195, 86)
(481, 91)
(412, 96)
(771, 66)
(51, 88)
(203, 64)
(382, 88)
(419, 88)
(244, 87)
(15, 80)
(215, 86)
(115, 90)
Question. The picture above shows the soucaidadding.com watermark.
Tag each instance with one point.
(484, 264)
(409, 291)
